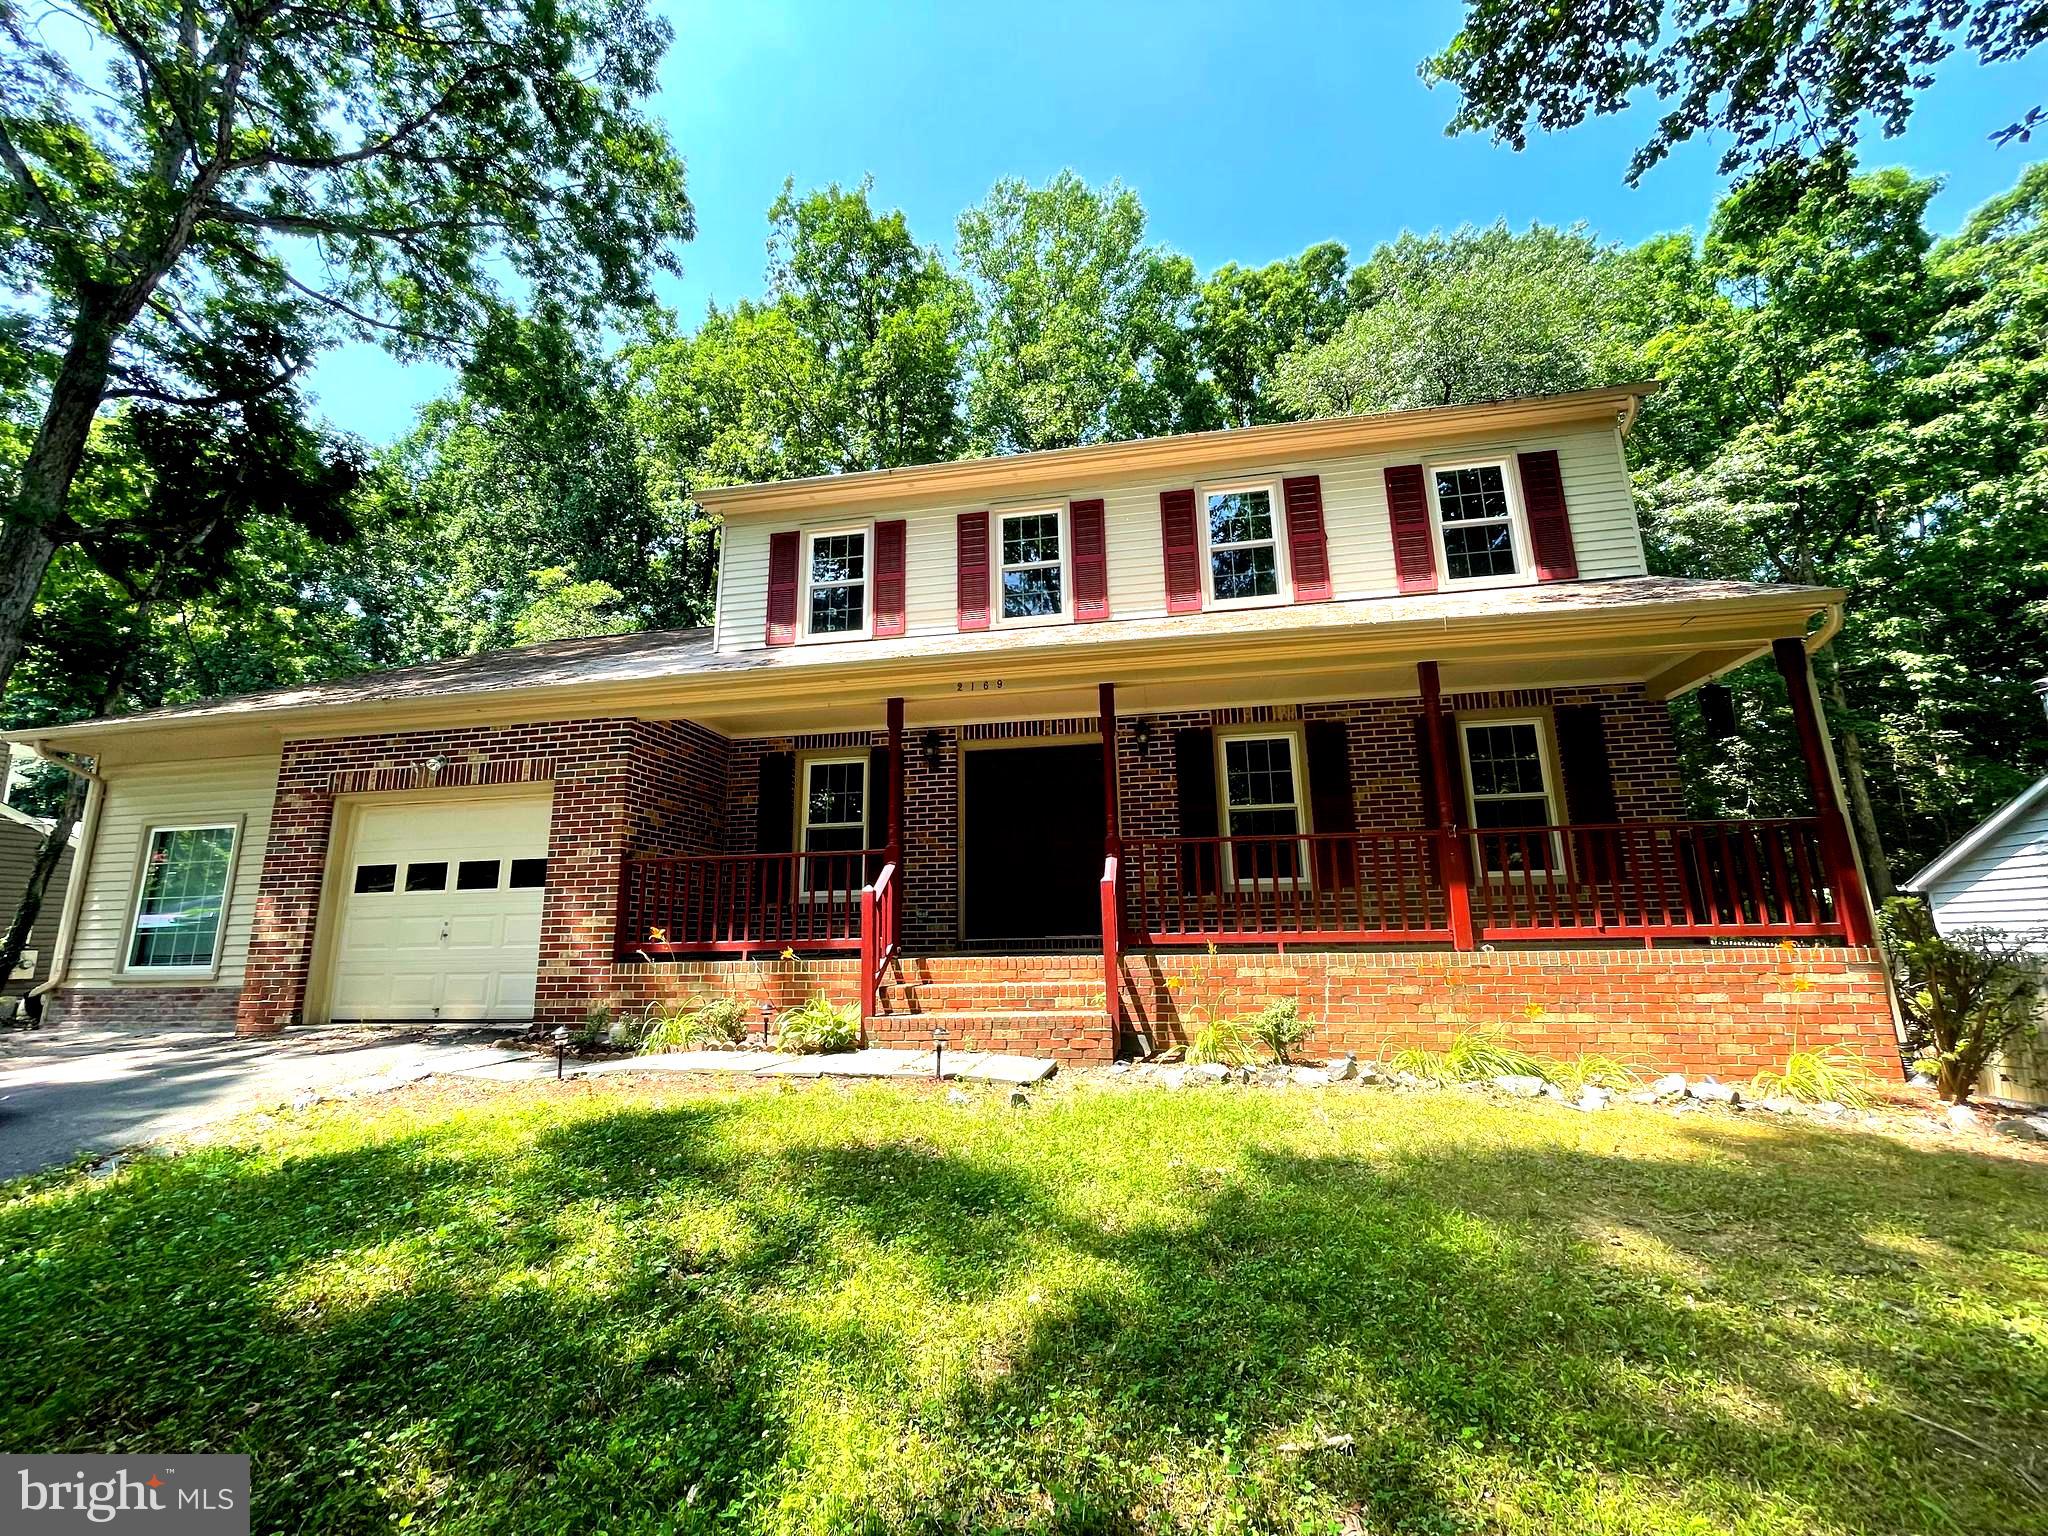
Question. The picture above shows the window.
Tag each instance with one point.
(1244, 544)
(1508, 781)
(834, 820)
(183, 894)
(1476, 520)
(1032, 576)
(527, 875)
(372, 879)
(836, 583)
(427, 877)
(1262, 799)
(476, 875)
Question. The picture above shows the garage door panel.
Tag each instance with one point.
(448, 953)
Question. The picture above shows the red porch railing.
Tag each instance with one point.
(1626, 880)
(741, 903)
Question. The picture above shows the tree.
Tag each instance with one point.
(1246, 319)
(1474, 315)
(1963, 995)
(1783, 82)
(306, 171)
(1084, 327)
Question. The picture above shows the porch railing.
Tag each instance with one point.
(1349, 888)
(742, 903)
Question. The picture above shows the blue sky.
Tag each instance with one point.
(1249, 130)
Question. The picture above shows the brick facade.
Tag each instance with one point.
(149, 1007)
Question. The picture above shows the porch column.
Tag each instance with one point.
(895, 831)
(1837, 849)
(1112, 827)
(1112, 888)
(1456, 866)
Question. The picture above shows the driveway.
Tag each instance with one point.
(69, 1091)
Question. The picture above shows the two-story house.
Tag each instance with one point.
(1056, 752)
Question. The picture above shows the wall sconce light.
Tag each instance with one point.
(1142, 730)
(934, 750)
(434, 767)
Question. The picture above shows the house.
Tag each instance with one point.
(1387, 703)
(1996, 877)
(21, 836)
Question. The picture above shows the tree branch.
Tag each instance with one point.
(18, 167)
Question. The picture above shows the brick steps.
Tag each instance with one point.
(1037, 1004)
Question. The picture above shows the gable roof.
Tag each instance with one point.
(1986, 831)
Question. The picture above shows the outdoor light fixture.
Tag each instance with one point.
(767, 1017)
(561, 1048)
(938, 1052)
(934, 750)
(1142, 729)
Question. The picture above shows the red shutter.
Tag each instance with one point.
(1308, 549)
(1550, 528)
(1090, 561)
(782, 588)
(1408, 512)
(973, 560)
(889, 540)
(1183, 551)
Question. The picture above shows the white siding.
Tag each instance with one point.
(2003, 884)
(1597, 494)
(170, 794)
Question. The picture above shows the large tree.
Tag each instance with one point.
(305, 171)
(1246, 319)
(1780, 78)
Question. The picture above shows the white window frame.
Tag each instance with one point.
(1283, 564)
(1552, 802)
(1064, 564)
(866, 584)
(1295, 740)
(211, 969)
(1518, 524)
(805, 763)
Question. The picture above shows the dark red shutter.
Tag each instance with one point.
(973, 558)
(1588, 789)
(782, 588)
(1550, 527)
(1194, 775)
(1183, 551)
(877, 808)
(1308, 548)
(889, 542)
(1090, 561)
(775, 805)
(1408, 513)
(1331, 807)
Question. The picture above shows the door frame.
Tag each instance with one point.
(341, 838)
(994, 744)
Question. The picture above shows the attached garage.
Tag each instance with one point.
(438, 909)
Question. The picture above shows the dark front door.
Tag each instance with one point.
(1032, 840)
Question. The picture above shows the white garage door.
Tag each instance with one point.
(441, 910)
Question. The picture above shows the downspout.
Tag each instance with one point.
(81, 858)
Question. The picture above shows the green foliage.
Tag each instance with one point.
(695, 1026)
(1226, 1042)
(1279, 1027)
(1772, 82)
(818, 1027)
(1245, 319)
(1474, 1056)
(1590, 1069)
(1820, 1076)
(1963, 995)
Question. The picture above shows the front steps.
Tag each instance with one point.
(1032, 1004)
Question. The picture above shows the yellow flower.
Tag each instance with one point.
(789, 954)
(1533, 1011)
(1212, 949)
(1787, 945)
(657, 935)
(1173, 983)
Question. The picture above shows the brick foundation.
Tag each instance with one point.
(1731, 1012)
(145, 1007)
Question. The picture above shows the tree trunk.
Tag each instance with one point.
(1877, 866)
(48, 854)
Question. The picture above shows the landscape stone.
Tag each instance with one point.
(1708, 1091)
(1342, 1068)
(1670, 1086)
(1520, 1085)
(1211, 1071)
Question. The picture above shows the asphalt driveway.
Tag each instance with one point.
(69, 1091)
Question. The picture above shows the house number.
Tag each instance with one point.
(984, 686)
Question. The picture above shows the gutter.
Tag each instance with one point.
(1830, 626)
(81, 858)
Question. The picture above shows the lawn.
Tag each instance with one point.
(610, 1308)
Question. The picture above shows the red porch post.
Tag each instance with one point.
(1112, 827)
(1112, 874)
(1844, 874)
(1457, 871)
(895, 847)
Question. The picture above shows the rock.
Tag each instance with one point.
(958, 1096)
(1552, 1091)
(1211, 1072)
(1593, 1097)
(305, 1098)
(107, 1167)
(1519, 1085)
(1311, 1077)
(1830, 1110)
(1019, 1099)
(1707, 1091)
(1778, 1104)
(1342, 1068)
(1117, 1069)
(1644, 1096)
(2025, 1127)
(1963, 1118)
(1173, 1077)
(1368, 1072)
(1670, 1086)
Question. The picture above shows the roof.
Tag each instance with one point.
(1182, 453)
(40, 825)
(1985, 832)
(635, 663)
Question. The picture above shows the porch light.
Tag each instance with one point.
(938, 1053)
(767, 1018)
(1142, 730)
(934, 750)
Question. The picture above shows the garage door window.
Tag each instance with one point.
(373, 878)
(426, 877)
(476, 875)
(528, 875)
(183, 893)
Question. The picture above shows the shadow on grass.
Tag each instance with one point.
(697, 1316)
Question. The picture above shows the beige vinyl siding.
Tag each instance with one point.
(1598, 496)
(18, 845)
(235, 789)
(2003, 884)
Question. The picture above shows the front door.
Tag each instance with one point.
(1032, 842)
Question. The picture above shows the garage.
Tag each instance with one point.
(440, 910)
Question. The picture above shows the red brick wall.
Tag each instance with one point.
(146, 1007)
(1732, 1012)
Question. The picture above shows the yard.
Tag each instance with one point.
(620, 1307)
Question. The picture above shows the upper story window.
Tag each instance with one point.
(1477, 523)
(836, 582)
(1241, 528)
(1033, 576)
(181, 899)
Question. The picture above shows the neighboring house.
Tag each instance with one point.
(20, 836)
(1996, 877)
(1388, 700)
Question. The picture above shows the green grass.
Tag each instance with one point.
(604, 1308)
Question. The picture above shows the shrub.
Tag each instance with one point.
(1963, 995)
(597, 1025)
(1473, 1056)
(693, 1026)
(1590, 1070)
(1229, 1041)
(1822, 1076)
(1279, 1027)
(818, 1027)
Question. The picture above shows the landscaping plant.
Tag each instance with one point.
(1826, 1075)
(1963, 995)
(1473, 1056)
(1231, 1042)
(694, 1026)
(1279, 1027)
(818, 1027)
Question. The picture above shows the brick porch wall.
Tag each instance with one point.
(1731, 1012)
